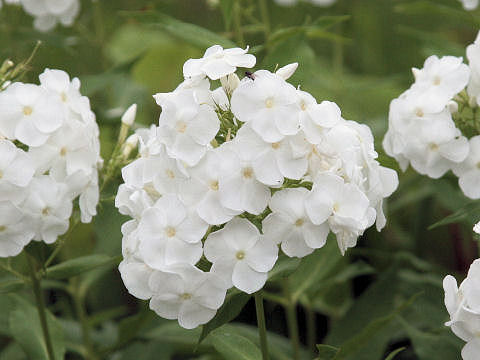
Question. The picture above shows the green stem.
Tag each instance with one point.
(311, 328)
(265, 18)
(82, 317)
(237, 23)
(41, 307)
(262, 329)
(292, 322)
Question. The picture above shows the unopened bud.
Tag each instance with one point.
(230, 83)
(130, 144)
(415, 72)
(7, 65)
(128, 117)
(472, 101)
(287, 71)
(452, 106)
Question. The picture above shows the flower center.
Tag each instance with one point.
(299, 222)
(247, 173)
(27, 110)
(213, 185)
(186, 296)
(269, 103)
(437, 80)
(1, 174)
(63, 96)
(240, 255)
(63, 151)
(276, 145)
(303, 106)
(171, 231)
(170, 174)
(181, 127)
(3, 228)
(419, 112)
(46, 211)
(478, 167)
(433, 146)
(336, 207)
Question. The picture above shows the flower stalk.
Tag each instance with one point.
(262, 329)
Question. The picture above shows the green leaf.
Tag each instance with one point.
(192, 34)
(459, 215)
(233, 346)
(361, 340)
(232, 306)
(284, 267)
(326, 352)
(78, 266)
(26, 329)
(394, 353)
(227, 11)
(11, 285)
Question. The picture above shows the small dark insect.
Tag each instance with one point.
(250, 75)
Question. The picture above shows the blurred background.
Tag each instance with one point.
(357, 53)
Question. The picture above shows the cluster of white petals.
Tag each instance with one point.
(50, 154)
(463, 305)
(422, 131)
(230, 175)
(321, 3)
(48, 13)
(469, 4)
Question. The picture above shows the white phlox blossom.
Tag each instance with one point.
(48, 13)
(430, 122)
(463, 306)
(55, 163)
(231, 175)
(469, 4)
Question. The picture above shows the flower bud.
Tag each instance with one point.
(7, 65)
(476, 228)
(287, 71)
(230, 82)
(415, 72)
(128, 117)
(472, 102)
(130, 144)
(452, 107)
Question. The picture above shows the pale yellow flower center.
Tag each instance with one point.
(276, 145)
(63, 151)
(247, 173)
(269, 103)
(170, 231)
(240, 255)
(27, 110)
(170, 174)
(299, 222)
(213, 185)
(3, 228)
(186, 296)
(181, 127)
(46, 211)
(419, 112)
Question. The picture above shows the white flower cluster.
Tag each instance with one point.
(48, 13)
(422, 131)
(321, 3)
(215, 160)
(50, 154)
(463, 305)
(469, 4)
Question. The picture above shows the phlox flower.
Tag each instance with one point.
(186, 293)
(48, 13)
(217, 62)
(289, 224)
(16, 230)
(241, 255)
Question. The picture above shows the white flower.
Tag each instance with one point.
(217, 62)
(468, 171)
(230, 83)
(48, 13)
(441, 79)
(187, 294)
(169, 234)
(16, 171)
(29, 114)
(289, 225)
(269, 104)
(135, 276)
(315, 118)
(473, 55)
(49, 205)
(343, 205)
(476, 228)
(469, 4)
(186, 127)
(463, 305)
(241, 255)
(15, 230)
(201, 190)
(243, 188)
